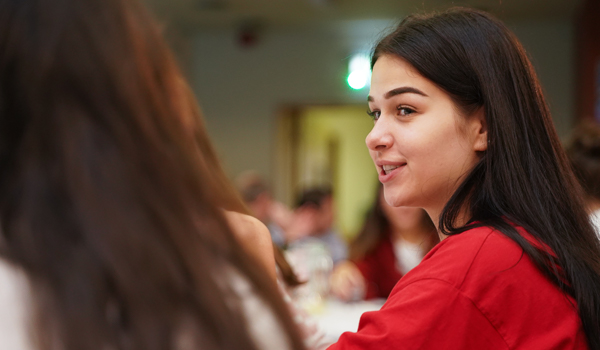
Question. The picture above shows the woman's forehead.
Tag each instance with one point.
(391, 73)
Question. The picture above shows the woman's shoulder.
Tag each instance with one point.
(480, 259)
(245, 226)
(470, 242)
(254, 237)
(478, 251)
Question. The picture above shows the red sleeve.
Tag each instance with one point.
(427, 314)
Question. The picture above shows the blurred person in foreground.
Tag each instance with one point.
(314, 219)
(462, 130)
(392, 241)
(114, 233)
(583, 150)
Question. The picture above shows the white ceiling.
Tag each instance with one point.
(203, 14)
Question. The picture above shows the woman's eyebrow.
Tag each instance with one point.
(399, 91)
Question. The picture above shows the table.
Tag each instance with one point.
(336, 317)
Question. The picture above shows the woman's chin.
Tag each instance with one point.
(395, 200)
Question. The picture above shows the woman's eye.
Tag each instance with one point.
(374, 114)
(404, 111)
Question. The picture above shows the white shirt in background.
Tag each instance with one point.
(14, 296)
(595, 219)
(408, 255)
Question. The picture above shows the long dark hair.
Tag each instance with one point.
(523, 177)
(377, 226)
(111, 196)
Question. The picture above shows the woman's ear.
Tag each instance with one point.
(478, 130)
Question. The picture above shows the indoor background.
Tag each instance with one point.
(271, 77)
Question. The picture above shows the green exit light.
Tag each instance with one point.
(358, 79)
(359, 74)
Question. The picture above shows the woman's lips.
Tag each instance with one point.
(385, 176)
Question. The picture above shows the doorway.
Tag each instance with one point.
(325, 145)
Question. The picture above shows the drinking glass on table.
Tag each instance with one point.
(313, 264)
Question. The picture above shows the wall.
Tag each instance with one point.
(242, 89)
(588, 61)
(350, 169)
(551, 47)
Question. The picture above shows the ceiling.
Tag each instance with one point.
(205, 14)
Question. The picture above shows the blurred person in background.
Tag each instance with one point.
(462, 130)
(314, 219)
(583, 150)
(275, 215)
(113, 228)
(392, 241)
(261, 205)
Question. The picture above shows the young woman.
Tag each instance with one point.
(392, 241)
(462, 130)
(113, 228)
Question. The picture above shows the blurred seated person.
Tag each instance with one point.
(275, 215)
(314, 218)
(392, 241)
(584, 154)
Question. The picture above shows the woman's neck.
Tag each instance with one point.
(414, 235)
(461, 219)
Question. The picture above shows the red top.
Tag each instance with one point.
(475, 290)
(380, 270)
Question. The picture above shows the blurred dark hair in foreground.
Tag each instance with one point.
(110, 194)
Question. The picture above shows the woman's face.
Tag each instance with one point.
(422, 148)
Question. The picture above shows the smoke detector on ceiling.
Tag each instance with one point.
(250, 32)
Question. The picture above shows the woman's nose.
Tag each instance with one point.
(380, 137)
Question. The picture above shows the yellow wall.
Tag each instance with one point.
(352, 173)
